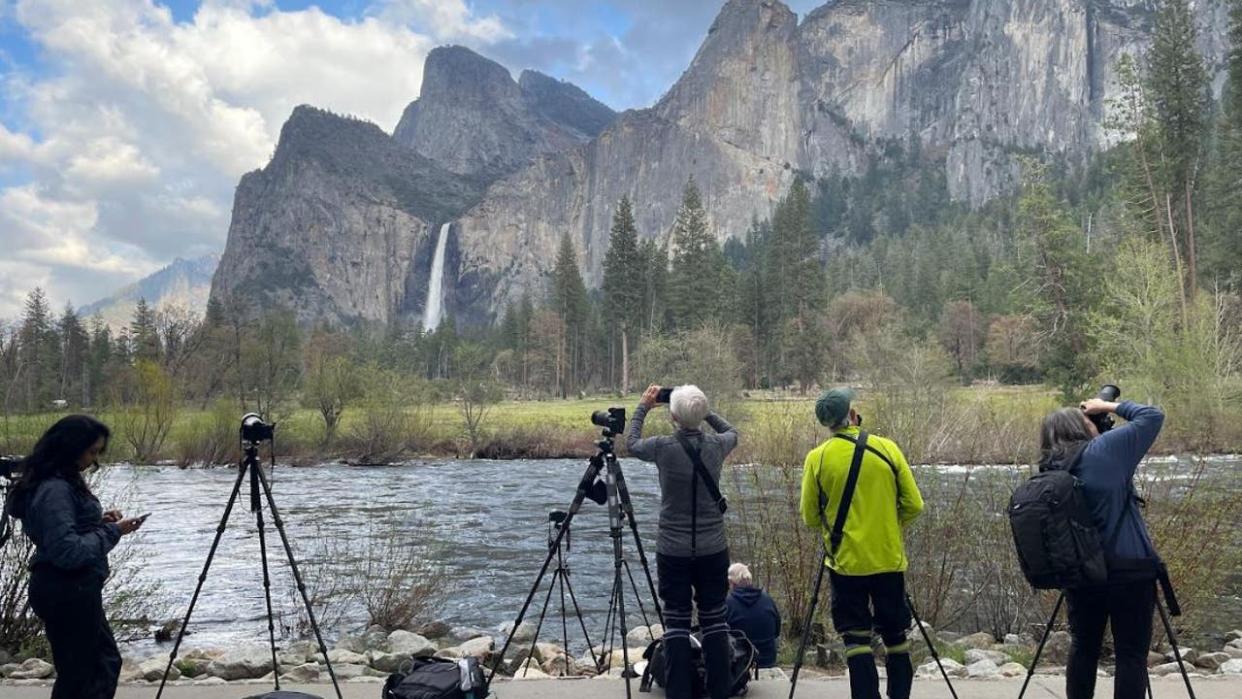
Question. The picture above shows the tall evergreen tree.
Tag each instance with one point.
(38, 352)
(1178, 86)
(144, 333)
(74, 350)
(655, 286)
(623, 284)
(569, 300)
(698, 264)
(1224, 201)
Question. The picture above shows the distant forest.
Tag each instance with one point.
(1128, 265)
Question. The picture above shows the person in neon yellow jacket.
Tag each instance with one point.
(867, 563)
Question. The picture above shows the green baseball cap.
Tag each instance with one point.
(833, 407)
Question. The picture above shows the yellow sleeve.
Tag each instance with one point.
(910, 500)
(811, 513)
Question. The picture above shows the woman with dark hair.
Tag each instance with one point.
(1105, 465)
(72, 537)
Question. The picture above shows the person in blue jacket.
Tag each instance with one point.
(754, 612)
(1105, 465)
(72, 536)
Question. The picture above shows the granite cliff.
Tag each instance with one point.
(516, 164)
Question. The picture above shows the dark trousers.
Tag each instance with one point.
(83, 649)
(707, 577)
(861, 605)
(1128, 607)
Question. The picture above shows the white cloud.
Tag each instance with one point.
(136, 128)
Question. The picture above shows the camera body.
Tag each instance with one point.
(612, 420)
(254, 429)
(1104, 421)
(10, 467)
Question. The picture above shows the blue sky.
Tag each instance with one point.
(125, 124)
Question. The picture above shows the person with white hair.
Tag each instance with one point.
(754, 612)
(692, 554)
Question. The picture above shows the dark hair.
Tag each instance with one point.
(57, 452)
(1061, 436)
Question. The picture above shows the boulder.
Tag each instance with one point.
(347, 672)
(1235, 643)
(559, 666)
(1013, 639)
(951, 667)
(1154, 658)
(153, 670)
(339, 656)
(642, 636)
(1212, 661)
(33, 669)
(6, 668)
(1189, 655)
(547, 651)
(306, 649)
(193, 666)
(975, 655)
(1057, 650)
(305, 673)
(209, 682)
(1233, 652)
(1164, 669)
(410, 643)
(1235, 635)
(982, 669)
(130, 672)
(375, 638)
(436, 629)
(982, 641)
(387, 662)
(353, 644)
(1012, 670)
(1232, 667)
(242, 664)
(452, 652)
(530, 671)
(525, 632)
(293, 658)
(477, 647)
(461, 634)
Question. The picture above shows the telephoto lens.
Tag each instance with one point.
(1104, 421)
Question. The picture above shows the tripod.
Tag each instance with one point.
(1173, 608)
(810, 619)
(258, 482)
(603, 465)
(560, 579)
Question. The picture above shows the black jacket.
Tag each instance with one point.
(66, 525)
(754, 612)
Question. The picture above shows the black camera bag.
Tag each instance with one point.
(1056, 539)
(741, 665)
(437, 678)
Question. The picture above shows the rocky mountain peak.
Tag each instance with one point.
(473, 119)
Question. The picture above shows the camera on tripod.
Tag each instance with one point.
(254, 429)
(612, 420)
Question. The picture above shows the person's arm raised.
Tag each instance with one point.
(1126, 446)
(727, 432)
(639, 448)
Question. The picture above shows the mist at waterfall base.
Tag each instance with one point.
(435, 284)
(483, 525)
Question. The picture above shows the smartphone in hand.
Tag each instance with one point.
(665, 394)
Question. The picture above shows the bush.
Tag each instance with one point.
(210, 438)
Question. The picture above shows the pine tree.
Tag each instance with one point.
(655, 286)
(1178, 85)
(1224, 201)
(697, 264)
(569, 300)
(623, 283)
(38, 352)
(75, 346)
(143, 332)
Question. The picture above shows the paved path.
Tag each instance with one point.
(1042, 687)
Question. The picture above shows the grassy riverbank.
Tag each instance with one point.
(979, 424)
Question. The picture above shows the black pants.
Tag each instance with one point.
(83, 649)
(865, 604)
(708, 578)
(1128, 607)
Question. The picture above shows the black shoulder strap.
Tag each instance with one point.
(701, 470)
(847, 495)
(883, 457)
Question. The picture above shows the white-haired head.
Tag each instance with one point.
(688, 406)
(739, 576)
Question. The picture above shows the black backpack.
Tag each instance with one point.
(1057, 542)
(438, 678)
(742, 665)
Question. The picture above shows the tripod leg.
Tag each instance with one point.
(561, 580)
(297, 576)
(620, 592)
(542, 614)
(578, 612)
(806, 628)
(627, 507)
(931, 646)
(202, 577)
(1042, 641)
(267, 582)
(642, 609)
(1177, 653)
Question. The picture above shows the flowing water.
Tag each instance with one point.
(482, 523)
(435, 284)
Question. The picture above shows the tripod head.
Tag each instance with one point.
(557, 519)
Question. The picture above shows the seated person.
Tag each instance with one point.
(754, 612)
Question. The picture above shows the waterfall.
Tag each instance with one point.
(435, 285)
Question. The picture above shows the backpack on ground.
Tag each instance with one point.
(1057, 542)
(438, 678)
(741, 665)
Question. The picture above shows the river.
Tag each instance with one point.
(482, 523)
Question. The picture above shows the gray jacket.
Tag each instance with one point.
(676, 479)
(68, 531)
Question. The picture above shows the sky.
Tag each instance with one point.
(125, 124)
